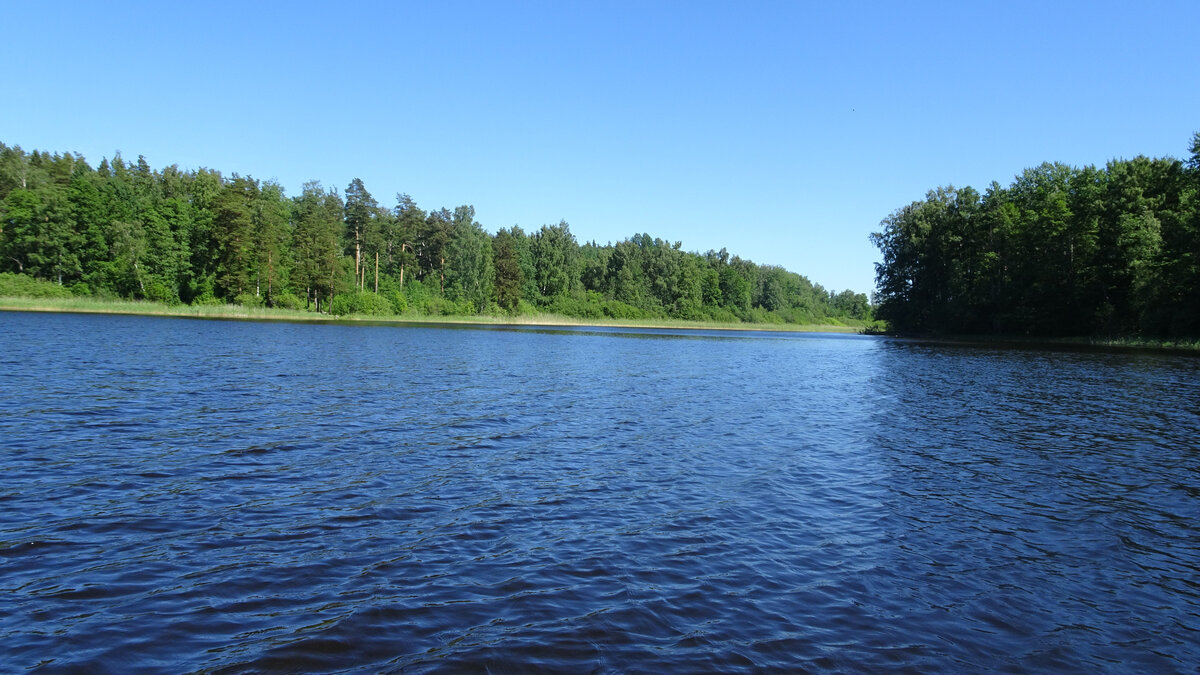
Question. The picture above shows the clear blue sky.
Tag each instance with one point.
(783, 131)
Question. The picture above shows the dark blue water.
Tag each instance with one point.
(213, 496)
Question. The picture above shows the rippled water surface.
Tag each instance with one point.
(244, 497)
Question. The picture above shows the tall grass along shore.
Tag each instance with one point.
(83, 305)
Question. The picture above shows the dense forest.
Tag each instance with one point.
(1060, 252)
(124, 229)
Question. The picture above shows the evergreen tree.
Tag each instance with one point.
(509, 276)
(361, 210)
(234, 237)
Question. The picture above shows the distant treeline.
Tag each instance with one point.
(1060, 252)
(124, 229)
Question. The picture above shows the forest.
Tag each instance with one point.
(127, 230)
(1062, 251)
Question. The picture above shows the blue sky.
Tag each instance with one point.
(783, 131)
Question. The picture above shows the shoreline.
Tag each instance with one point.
(550, 321)
(239, 313)
(1118, 344)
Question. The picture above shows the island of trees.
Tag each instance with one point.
(1062, 251)
(126, 230)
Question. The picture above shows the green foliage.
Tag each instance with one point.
(469, 272)
(554, 253)
(510, 277)
(126, 230)
(1060, 252)
(419, 296)
(854, 305)
(619, 310)
(207, 300)
(398, 301)
(315, 247)
(22, 286)
(734, 289)
(441, 306)
(233, 237)
(802, 316)
(158, 291)
(589, 306)
(249, 300)
(365, 303)
(761, 315)
(721, 315)
(288, 301)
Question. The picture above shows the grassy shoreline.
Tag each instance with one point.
(238, 312)
(242, 313)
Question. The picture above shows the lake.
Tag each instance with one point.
(224, 496)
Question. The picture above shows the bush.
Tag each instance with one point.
(362, 302)
(248, 300)
(721, 314)
(287, 301)
(207, 299)
(620, 310)
(569, 306)
(195, 292)
(158, 291)
(398, 301)
(418, 297)
(688, 311)
(760, 315)
(19, 285)
(797, 315)
(444, 307)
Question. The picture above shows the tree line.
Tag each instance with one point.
(124, 229)
(1062, 251)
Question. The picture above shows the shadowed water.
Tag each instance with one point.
(245, 497)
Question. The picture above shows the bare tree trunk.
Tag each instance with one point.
(402, 247)
(376, 272)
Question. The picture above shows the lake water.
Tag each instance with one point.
(182, 495)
